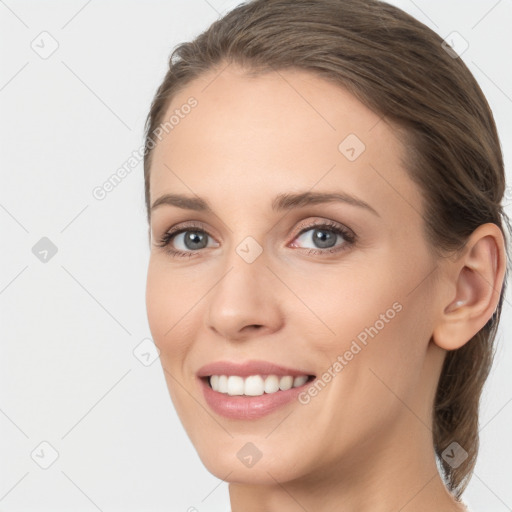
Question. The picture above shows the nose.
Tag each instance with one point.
(246, 301)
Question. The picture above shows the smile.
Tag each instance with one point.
(250, 390)
(255, 385)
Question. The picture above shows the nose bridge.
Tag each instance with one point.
(245, 294)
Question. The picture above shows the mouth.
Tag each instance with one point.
(254, 385)
(251, 390)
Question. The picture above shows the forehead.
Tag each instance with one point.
(270, 133)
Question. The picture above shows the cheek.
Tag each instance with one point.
(349, 306)
(157, 302)
(167, 310)
(372, 321)
(167, 305)
(384, 351)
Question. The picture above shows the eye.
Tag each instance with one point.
(185, 241)
(324, 235)
(190, 239)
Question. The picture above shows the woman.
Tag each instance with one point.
(328, 255)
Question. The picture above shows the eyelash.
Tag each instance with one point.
(348, 235)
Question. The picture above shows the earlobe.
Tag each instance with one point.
(478, 275)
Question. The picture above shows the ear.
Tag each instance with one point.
(476, 279)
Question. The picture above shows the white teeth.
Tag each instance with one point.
(235, 385)
(271, 384)
(255, 385)
(299, 381)
(223, 383)
(285, 383)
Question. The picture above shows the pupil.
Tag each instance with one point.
(194, 238)
(323, 238)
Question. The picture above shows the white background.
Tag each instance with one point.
(69, 326)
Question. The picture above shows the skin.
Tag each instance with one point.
(364, 443)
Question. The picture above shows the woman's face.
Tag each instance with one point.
(342, 292)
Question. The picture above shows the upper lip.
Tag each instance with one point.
(248, 368)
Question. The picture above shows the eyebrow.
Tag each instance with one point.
(282, 202)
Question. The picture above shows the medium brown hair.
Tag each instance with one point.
(400, 69)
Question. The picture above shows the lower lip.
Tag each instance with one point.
(241, 407)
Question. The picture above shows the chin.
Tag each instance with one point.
(244, 459)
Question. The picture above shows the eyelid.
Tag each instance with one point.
(306, 226)
(189, 224)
